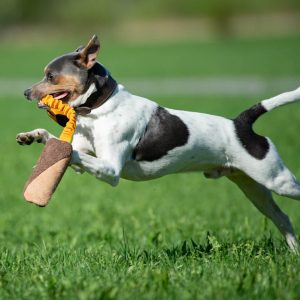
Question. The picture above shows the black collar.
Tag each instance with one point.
(105, 86)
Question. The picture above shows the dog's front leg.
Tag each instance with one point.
(37, 135)
(102, 169)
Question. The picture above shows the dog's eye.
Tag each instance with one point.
(49, 77)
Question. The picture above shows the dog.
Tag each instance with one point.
(120, 135)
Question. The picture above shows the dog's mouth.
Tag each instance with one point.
(62, 95)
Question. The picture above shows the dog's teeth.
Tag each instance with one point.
(42, 105)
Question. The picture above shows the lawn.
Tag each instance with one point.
(178, 237)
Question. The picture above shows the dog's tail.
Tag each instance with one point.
(250, 115)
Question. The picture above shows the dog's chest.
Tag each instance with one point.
(121, 120)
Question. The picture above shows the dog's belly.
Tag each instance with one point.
(177, 161)
(140, 171)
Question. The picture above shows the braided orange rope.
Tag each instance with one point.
(58, 107)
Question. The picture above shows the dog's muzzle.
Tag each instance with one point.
(27, 94)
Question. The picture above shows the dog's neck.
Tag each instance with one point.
(100, 88)
(81, 100)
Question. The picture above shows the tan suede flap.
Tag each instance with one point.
(54, 151)
(41, 188)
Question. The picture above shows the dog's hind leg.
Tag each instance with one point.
(271, 172)
(286, 184)
(261, 197)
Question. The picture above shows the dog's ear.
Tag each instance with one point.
(87, 55)
(79, 48)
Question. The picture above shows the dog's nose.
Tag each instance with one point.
(27, 93)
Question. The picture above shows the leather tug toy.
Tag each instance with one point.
(55, 157)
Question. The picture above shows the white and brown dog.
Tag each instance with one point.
(120, 135)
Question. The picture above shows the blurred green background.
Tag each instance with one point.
(179, 237)
(148, 20)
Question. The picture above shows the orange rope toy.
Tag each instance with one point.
(58, 107)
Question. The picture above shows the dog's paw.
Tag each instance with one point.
(27, 138)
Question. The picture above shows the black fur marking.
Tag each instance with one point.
(62, 120)
(164, 132)
(105, 86)
(256, 145)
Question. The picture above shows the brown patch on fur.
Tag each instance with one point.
(60, 83)
(71, 84)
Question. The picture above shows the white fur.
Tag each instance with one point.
(105, 139)
(82, 98)
(281, 99)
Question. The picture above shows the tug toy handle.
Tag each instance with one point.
(58, 107)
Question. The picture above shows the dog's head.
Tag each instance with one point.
(67, 77)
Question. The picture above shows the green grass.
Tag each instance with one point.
(179, 237)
